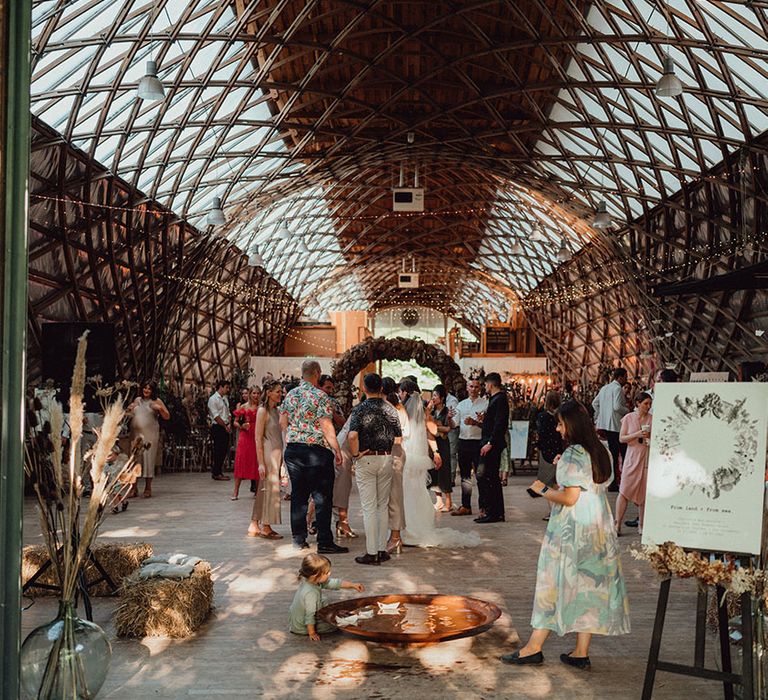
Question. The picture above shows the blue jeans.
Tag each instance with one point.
(310, 468)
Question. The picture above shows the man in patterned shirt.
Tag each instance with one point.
(310, 446)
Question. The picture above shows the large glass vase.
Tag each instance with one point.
(66, 659)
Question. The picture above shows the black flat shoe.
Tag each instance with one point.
(516, 660)
(332, 548)
(384, 556)
(368, 559)
(632, 523)
(489, 519)
(581, 662)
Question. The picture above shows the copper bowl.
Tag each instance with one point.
(421, 618)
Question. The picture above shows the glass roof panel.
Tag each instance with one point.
(215, 133)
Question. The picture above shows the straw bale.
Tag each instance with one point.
(161, 607)
(119, 559)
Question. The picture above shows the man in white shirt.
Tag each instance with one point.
(221, 427)
(469, 420)
(610, 406)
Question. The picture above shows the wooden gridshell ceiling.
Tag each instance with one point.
(606, 304)
(121, 260)
(523, 116)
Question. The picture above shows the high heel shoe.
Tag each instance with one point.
(395, 547)
(344, 530)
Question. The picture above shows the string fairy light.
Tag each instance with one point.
(445, 302)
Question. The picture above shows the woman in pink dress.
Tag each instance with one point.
(635, 432)
(246, 462)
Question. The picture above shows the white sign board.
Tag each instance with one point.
(706, 468)
(518, 439)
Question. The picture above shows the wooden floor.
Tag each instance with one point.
(245, 650)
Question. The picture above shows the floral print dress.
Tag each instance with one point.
(579, 583)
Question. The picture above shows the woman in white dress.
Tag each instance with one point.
(420, 529)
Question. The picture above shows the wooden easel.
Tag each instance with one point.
(727, 677)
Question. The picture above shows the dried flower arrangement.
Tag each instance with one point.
(669, 559)
(59, 487)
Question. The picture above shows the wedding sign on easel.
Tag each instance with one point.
(706, 480)
(706, 467)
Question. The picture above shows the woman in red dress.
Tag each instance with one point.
(246, 462)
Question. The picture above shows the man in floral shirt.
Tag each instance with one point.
(310, 446)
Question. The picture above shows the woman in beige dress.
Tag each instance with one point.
(269, 448)
(342, 485)
(145, 412)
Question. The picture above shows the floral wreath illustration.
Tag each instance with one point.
(741, 463)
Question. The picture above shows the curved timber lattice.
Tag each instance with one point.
(519, 117)
(183, 306)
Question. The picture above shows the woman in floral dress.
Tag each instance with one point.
(579, 584)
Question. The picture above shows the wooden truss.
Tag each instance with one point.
(519, 117)
(184, 305)
(621, 299)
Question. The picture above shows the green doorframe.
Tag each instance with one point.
(15, 27)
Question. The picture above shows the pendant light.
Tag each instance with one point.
(563, 253)
(150, 87)
(216, 214)
(602, 217)
(669, 84)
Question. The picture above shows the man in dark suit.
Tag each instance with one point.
(494, 440)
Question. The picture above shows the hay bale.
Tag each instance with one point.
(161, 607)
(119, 559)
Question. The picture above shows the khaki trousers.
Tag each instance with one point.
(373, 474)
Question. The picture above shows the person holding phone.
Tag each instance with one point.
(635, 434)
(579, 582)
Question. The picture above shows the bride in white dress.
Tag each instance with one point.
(420, 530)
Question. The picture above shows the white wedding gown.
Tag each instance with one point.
(420, 529)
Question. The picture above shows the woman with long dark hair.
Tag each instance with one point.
(579, 584)
(441, 478)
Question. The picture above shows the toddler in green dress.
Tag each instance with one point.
(314, 576)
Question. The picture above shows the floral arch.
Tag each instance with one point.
(370, 350)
